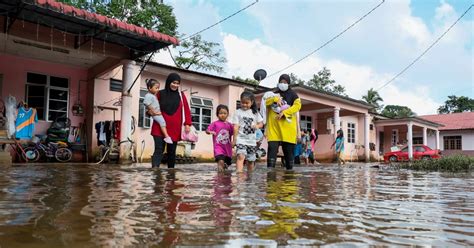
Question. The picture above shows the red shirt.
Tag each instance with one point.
(174, 122)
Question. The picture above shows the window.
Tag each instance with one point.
(116, 85)
(49, 95)
(419, 149)
(237, 105)
(452, 142)
(143, 119)
(306, 122)
(417, 140)
(371, 126)
(394, 139)
(201, 113)
(350, 132)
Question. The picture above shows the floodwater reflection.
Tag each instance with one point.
(110, 206)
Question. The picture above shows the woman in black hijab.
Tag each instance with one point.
(282, 127)
(172, 104)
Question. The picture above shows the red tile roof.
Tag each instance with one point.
(114, 23)
(454, 121)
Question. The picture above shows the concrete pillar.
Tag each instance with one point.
(425, 136)
(126, 109)
(366, 137)
(337, 121)
(410, 140)
(437, 140)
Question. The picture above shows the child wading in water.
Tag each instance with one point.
(339, 142)
(246, 120)
(222, 131)
(153, 107)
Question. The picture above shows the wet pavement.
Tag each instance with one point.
(193, 205)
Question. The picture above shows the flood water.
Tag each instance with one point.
(110, 206)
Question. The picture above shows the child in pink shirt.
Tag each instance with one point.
(222, 131)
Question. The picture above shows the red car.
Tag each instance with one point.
(419, 152)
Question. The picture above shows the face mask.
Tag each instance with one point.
(283, 86)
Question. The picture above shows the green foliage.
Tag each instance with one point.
(246, 80)
(200, 55)
(295, 80)
(396, 111)
(373, 98)
(454, 163)
(456, 104)
(322, 81)
(150, 14)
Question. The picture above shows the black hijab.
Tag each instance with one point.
(169, 99)
(289, 95)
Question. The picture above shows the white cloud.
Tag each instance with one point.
(244, 57)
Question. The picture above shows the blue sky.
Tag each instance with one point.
(273, 34)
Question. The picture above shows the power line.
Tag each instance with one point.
(329, 41)
(219, 22)
(422, 54)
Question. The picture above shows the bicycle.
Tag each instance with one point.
(58, 151)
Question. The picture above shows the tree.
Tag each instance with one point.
(322, 81)
(295, 80)
(200, 55)
(456, 104)
(373, 98)
(150, 14)
(396, 111)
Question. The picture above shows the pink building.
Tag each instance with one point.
(56, 58)
(52, 53)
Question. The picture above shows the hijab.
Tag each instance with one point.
(289, 95)
(170, 99)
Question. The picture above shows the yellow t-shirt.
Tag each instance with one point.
(281, 129)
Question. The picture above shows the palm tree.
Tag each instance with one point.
(373, 98)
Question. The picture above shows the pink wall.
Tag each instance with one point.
(14, 70)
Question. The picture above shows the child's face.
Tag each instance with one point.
(245, 104)
(222, 114)
(154, 89)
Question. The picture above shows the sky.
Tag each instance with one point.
(273, 34)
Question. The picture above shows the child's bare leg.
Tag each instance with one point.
(240, 162)
(250, 165)
(220, 165)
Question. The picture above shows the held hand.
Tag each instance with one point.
(280, 115)
(212, 132)
(233, 143)
(280, 102)
(187, 128)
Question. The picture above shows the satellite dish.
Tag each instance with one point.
(260, 74)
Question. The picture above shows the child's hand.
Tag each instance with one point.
(233, 143)
(280, 115)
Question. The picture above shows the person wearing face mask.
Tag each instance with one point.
(279, 130)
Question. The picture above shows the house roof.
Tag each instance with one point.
(414, 119)
(327, 94)
(170, 68)
(454, 121)
(86, 24)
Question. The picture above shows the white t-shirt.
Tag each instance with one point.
(245, 119)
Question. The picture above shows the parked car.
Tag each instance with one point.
(419, 152)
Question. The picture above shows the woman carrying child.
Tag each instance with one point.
(282, 127)
(246, 121)
(222, 132)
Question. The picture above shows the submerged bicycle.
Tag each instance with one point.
(58, 151)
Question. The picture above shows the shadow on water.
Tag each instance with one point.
(58, 205)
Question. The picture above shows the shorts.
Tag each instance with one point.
(227, 160)
(250, 152)
(307, 154)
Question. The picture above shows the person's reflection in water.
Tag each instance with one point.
(174, 206)
(221, 201)
(282, 187)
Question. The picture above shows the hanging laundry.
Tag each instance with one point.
(25, 123)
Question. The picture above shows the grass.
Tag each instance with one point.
(453, 163)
